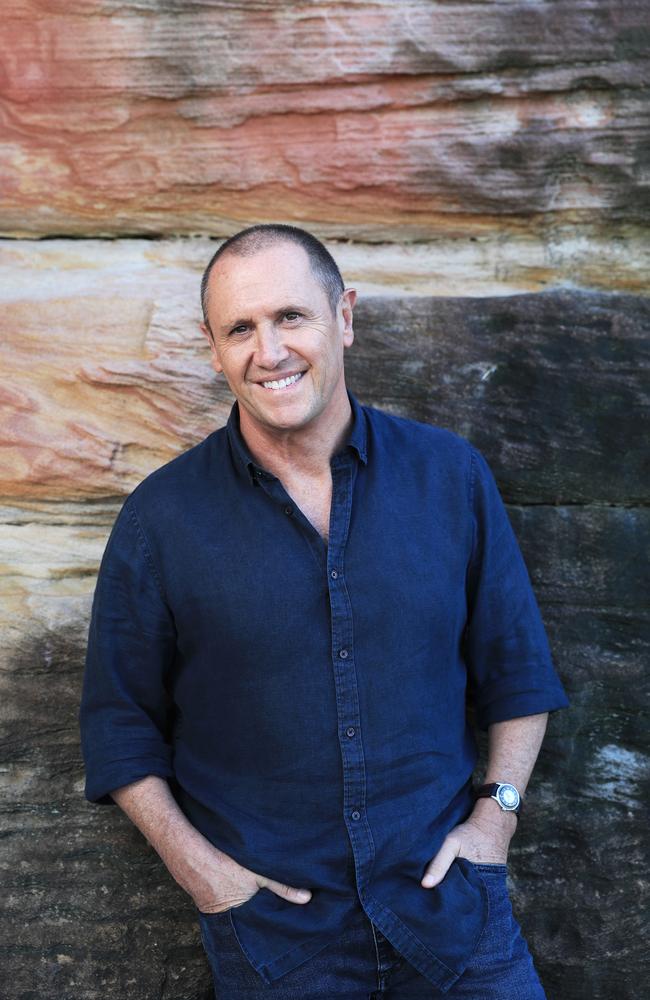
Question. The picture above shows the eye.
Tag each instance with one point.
(239, 329)
(292, 315)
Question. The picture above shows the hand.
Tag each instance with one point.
(214, 880)
(234, 885)
(483, 838)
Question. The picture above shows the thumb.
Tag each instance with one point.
(440, 864)
(286, 891)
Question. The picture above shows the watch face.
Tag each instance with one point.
(508, 797)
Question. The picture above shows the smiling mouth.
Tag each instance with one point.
(278, 385)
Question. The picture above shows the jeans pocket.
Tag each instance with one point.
(225, 914)
(215, 916)
(489, 868)
(215, 929)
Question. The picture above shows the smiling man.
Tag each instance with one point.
(277, 327)
(289, 623)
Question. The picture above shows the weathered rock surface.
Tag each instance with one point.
(367, 120)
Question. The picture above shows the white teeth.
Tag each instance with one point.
(283, 382)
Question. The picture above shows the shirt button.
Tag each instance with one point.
(334, 574)
(288, 509)
(356, 814)
(343, 653)
(350, 731)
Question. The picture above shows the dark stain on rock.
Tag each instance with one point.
(547, 385)
(632, 43)
(80, 884)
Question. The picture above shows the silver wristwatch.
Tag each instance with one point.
(502, 792)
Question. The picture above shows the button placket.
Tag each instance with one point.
(347, 695)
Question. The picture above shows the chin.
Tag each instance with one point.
(289, 407)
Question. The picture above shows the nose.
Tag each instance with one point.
(270, 350)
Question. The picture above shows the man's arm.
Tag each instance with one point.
(513, 747)
(213, 879)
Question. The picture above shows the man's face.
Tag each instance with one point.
(271, 320)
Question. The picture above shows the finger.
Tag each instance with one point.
(287, 891)
(439, 866)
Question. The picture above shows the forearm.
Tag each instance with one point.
(513, 748)
(189, 856)
(485, 835)
(214, 880)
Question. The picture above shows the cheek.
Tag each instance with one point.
(230, 359)
(325, 348)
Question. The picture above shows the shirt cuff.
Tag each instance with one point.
(518, 703)
(107, 778)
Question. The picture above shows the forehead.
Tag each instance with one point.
(275, 276)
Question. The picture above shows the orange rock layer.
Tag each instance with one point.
(373, 120)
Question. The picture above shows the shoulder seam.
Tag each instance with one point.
(145, 548)
(472, 475)
(471, 483)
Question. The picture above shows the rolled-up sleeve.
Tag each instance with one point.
(125, 709)
(507, 653)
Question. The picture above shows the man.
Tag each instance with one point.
(288, 620)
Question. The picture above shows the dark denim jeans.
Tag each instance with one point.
(361, 964)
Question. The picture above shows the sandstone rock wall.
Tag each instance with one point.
(480, 170)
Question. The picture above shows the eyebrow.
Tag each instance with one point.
(248, 320)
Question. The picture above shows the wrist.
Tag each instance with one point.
(488, 813)
(504, 793)
(192, 861)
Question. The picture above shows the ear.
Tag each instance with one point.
(347, 306)
(214, 356)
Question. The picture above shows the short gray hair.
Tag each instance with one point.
(250, 241)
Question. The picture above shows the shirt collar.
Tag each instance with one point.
(357, 438)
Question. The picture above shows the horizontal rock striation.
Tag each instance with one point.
(372, 120)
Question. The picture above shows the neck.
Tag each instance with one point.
(305, 451)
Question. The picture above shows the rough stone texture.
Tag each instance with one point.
(458, 154)
(367, 119)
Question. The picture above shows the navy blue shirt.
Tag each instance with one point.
(308, 701)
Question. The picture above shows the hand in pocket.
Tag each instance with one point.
(233, 885)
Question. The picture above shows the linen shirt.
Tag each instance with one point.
(308, 702)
